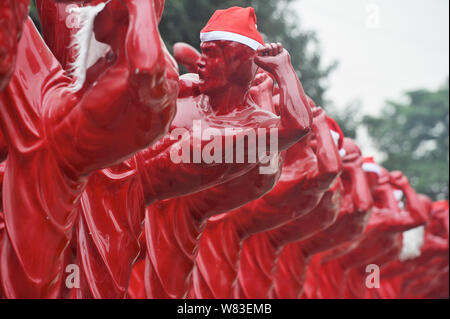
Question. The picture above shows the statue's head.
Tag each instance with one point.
(354, 179)
(375, 173)
(224, 62)
(351, 163)
(352, 151)
(337, 134)
(229, 42)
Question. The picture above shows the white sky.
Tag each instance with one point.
(409, 49)
(384, 47)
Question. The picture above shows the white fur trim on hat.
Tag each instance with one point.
(399, 197)
(335, 136)
(229, 36)
(371, 168)
(398, 193)
(412, 243)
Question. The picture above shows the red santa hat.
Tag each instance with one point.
(369, 166)
(234, 24)
(337, 134)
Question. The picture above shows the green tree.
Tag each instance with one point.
(349, 118)
(414, 135)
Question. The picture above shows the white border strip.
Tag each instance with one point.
(371, 168)
(229, 36)
(398, 193)
(336, 137)
(413, 241)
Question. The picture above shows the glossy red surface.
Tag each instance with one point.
(340, 220)
(151, 175)
(78, 167)
(173, 227)
(12, 17)
(56, 138)
(424, 276)
(344, 270)
(306, 176)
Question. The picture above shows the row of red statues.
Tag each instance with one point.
(90, 117)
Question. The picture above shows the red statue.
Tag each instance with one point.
(220, 98)
(218, 102)
(423, 275)
(57, 134)
(323, 279)
(345, 207)
(308, 172)
(381, 241)
(90, 136)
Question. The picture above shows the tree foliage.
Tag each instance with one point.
(348, 118)
(414, 135)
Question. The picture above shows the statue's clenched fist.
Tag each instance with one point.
(271, 57)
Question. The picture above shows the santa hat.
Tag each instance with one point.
(398, 194)
(369, 166)
(234, 24)
(412, 243)
(337, 134)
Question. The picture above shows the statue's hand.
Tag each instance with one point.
(397, 179)
(186, 55)
(271, 57)
(262, 82)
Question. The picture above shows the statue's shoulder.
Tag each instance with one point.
(188, 85)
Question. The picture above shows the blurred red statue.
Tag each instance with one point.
(295, 243)
(308, 172)
(59, 131)
(423, 274)
(345, 268)
(12, 17)
(242, 202)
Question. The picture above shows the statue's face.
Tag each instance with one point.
(352, 151)
(12, 15)
(223, 63)
(353, 177)
(374, 179)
